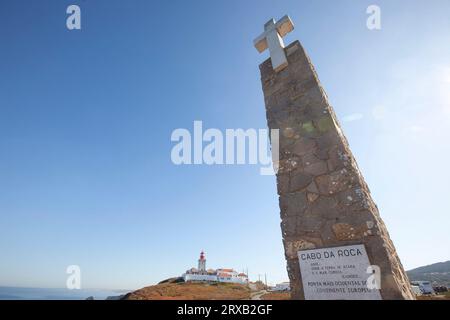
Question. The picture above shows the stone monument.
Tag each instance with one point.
(336, 245)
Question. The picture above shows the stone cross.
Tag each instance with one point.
(272, 38)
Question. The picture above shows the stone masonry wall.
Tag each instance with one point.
(324, 200)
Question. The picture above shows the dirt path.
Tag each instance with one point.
(258, 294)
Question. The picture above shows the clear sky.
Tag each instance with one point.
(86, 118)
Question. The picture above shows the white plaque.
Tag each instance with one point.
(337, 273)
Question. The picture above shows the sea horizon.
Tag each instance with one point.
(36, 293)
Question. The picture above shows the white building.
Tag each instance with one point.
(229, 275)
(219, 275)
(284, 286)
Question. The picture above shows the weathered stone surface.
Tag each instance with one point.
(299, 181)
(292, 247)
(317, 168)
(286, 165)
(289, 226)
(308, 224)
(282, 184)
(324, 201)
(303, 146)
(293, 204)
(337, 159)
(324, 206)
(325, 123)
(328, 140)
(351, 196)
(312, 196)
(312, 187)
(344, 231)
(334, 182)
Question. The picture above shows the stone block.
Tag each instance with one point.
(299, 181)
(293, 204)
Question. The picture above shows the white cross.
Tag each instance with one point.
(272, 38)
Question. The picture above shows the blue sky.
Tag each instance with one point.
(86, 117)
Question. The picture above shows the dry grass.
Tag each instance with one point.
(277, 296)
(443, 296)
(191, 291)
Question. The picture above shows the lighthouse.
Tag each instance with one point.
(211, 275)
(202, 263)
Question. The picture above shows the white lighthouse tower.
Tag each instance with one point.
(202, 263)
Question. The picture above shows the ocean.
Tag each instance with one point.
(18, 293)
